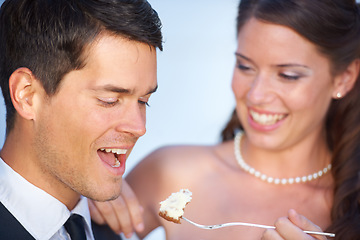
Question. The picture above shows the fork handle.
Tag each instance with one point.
(250, 225)
(272, 227)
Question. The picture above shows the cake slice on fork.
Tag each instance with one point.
(173, 207)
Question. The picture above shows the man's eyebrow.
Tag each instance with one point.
(153, 90)
(112, 88)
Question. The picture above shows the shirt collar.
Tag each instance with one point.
(41, 214)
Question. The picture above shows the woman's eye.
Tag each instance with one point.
(289, 76)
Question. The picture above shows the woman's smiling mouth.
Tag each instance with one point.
(266, 118)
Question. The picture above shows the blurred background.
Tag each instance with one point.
(194, 98)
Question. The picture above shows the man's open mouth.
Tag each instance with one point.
(111, 155)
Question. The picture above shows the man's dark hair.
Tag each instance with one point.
(50, 36)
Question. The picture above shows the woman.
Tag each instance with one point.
(297, 90)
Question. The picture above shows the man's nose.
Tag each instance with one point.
(132, 120)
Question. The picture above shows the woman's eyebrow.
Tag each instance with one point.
(292, 65)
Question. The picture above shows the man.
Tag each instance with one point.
(76, 76)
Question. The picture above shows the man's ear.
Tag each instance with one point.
(345, 81)
(22, 88)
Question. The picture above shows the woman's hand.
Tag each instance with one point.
(292, 227)
(123, 215)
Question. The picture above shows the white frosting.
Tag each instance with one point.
(174, 205)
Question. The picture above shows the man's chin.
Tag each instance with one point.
(104, 197)
(112, 197)
(103, 194)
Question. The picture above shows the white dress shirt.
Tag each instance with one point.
(42, 215)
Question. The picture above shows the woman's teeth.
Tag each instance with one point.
(266, 119)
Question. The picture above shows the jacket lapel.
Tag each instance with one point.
(103, 232)
(10, 227)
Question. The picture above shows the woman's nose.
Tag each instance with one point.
(260, 90)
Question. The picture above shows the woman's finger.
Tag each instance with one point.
(288, 230)
(305, 224)
(271, 234)
(95, 214)
(109, 214)
(121, 210)
(134, 207)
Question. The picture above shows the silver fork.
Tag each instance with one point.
(248, 225)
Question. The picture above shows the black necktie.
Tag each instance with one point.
(75, 227)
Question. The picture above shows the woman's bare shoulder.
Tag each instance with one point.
(181, 159)
(170, 160)
(181, 156)
(176, 152)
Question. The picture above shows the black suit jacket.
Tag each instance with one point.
(11, 229)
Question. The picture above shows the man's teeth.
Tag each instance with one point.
(117, 163)
(114, 150)
(266, 119)
(117, 152)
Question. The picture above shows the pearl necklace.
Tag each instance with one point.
(268, 179)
